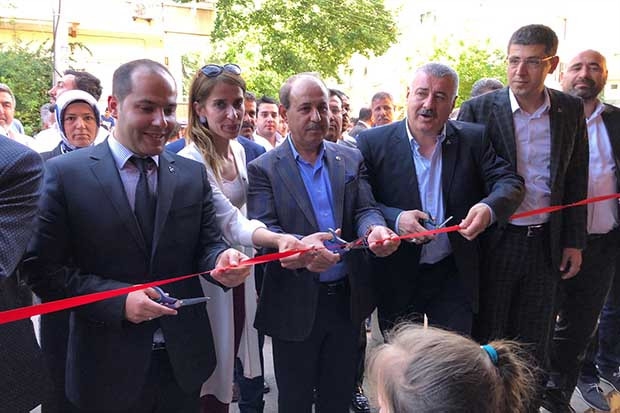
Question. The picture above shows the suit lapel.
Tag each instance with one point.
(556, 127)
(105, 170)
(401, 152)
(448, 159)
(286, 168)
(612, 124)
(336, 167)
(503, 113)
(166, 184)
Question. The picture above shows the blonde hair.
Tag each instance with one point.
(421, 370)
(199, 132)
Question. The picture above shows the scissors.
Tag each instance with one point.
(344, 246)
(171, 302)
(431, 221)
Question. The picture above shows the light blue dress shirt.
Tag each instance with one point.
(318, 187)
(428, 172)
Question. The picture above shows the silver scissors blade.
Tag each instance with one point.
(192, 301)
(443, 224)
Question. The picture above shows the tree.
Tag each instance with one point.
(28, 72)
(471, 62)
(273, 39)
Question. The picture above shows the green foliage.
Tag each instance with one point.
(273, 39)
(28, 72)
(471, 62)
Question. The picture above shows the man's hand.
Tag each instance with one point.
(382, 241)
(477, 220)
(140, 307)
(409, 223)
(571, 262)
(320, 258)
(230, 277)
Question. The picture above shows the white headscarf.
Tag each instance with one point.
(64, 100)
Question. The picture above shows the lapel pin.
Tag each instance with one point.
(448, 141)
(171, 169)
(338, 158)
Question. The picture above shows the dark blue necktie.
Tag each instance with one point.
(145, 202)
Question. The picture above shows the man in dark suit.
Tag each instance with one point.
(427, 168)
(542, 133)
(126, 212)
(22, 371)
(580, 299)
(304, 187)
(363, 122)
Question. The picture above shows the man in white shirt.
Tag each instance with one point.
(267, 122)
(581, 299)
(7, 114)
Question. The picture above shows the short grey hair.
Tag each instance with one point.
(440, 70)
(5, 88)
(485, 85)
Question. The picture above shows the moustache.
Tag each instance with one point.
(246, 125)
(587, 81)
(314, 126)
(426, 112)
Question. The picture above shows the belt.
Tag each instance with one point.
(159, 346)
(335, 287)
(595, 237)
(530, 231)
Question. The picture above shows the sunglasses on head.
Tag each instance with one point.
(213, 70)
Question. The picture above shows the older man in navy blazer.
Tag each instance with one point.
(423, 170)
(304, 187)
(129, 353)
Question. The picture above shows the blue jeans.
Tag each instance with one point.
(251, 390)
(607, 356)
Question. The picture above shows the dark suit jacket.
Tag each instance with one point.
(53, 153)
(252, 149)
(569, 157)
(88, 235)
(611, 119)
(471, 173)
(277, 196)
(22, 371)
(176, 146)
(359, 127)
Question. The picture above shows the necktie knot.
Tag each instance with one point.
(143, 164)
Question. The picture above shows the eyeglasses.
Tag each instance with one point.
(530, 62)
(213, 70)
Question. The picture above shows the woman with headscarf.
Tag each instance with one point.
(78, 122)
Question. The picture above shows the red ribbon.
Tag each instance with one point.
(26, 312)
(58, 305)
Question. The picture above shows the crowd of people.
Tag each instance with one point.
(522, 307)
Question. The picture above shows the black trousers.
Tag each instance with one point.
(54, 337)
(604, 349)
(325, 361)
(438, 293)
(579, 303)
(161, 393)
